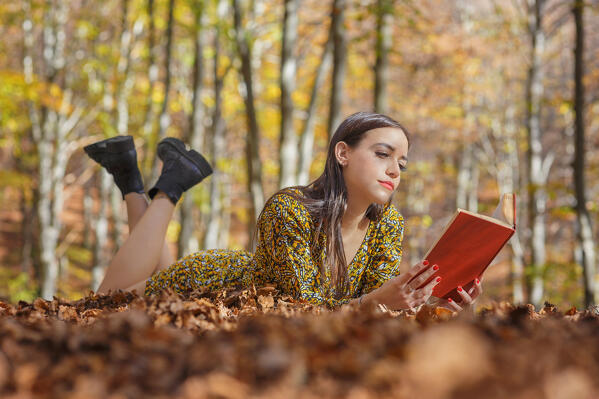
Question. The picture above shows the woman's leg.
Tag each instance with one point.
(137, 204)
(136, 260)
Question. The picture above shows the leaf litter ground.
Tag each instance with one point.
(258, 343)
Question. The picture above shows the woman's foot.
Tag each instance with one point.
(118, 156)
(181, 169)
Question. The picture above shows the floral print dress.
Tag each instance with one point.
(285, 257)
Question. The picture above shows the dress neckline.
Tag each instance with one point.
(362, 245)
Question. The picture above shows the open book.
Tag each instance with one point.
(468, 244)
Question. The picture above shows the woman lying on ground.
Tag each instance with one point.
(332, 242)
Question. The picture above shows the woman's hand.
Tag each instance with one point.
(401, 293)
(468, 298)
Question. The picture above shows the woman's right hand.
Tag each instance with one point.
(401, 293)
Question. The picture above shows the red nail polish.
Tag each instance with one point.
(425, 262)
(477, 281)
(436, 267)
(449, 300)
(438, 279)
(460, 288)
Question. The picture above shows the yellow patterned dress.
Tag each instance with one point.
(284, 257)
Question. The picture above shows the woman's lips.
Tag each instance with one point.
(388, 186)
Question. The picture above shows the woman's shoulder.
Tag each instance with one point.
(286, 202)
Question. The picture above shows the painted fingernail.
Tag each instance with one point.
(436, 267)
(449, 300)
(438, 279)
(425, 262)
(477, 281)
(460, 288)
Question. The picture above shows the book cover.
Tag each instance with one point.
(467, 246)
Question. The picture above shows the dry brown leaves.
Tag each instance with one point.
(258, 343)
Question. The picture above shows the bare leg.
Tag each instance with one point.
(136, 206)
(136, 260)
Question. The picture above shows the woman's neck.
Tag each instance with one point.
(354, 216)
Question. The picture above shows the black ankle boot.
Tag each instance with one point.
(181, 169)
(118, 156)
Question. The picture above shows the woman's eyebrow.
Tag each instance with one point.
(391, 148)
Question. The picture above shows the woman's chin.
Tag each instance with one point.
(382, 200)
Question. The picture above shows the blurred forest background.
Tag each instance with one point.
(499, 96)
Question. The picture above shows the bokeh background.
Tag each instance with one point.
(499, 96)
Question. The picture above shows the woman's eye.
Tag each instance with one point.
(382, 154)
(403, 168)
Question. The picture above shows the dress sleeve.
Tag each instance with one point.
(286, 231)
(385, 263)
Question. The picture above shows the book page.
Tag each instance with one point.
(506, 208)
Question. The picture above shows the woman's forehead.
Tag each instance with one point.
(390, 135)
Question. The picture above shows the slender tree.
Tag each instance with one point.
(384, 16)
(150, 108)
(538, 166)
(187, 242)
(252, 141)
(54, 128)
(215, 219)
(288, 137)
(584, 229)
(339, 63)
(164, 119)
(306, 144)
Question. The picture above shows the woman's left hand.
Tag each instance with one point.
(468, 298)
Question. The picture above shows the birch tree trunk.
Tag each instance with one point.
(49, 132)
(214, 224)
(538, 168)
(288, 138)
(507, 181)
(511, 184)
(306, 144)
(339, 59)
(123, 82)
(187, 241)
(584, 229)
(253, 139)
(383, 45)
(100, 224)
(124, 69)
(164, 119)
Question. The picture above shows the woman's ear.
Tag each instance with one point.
(342, 151)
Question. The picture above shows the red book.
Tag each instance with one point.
(467, 246)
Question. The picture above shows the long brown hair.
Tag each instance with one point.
(326, 197)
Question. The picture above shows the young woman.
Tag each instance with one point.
(332, 242)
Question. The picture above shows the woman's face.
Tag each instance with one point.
(371, 170)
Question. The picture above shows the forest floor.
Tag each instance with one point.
(258, 343)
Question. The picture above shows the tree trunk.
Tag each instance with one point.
(118, 222)
(288, 138)
(100, 224)
(537, 167)
(517, 274)
(339, 58)
(88, 204)
(187, 241)
(164, 120)
(306, 144)
(123, 70)
(584, 228)
(214, 223)
(253, 139)
(383, 45)
(149, 119)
